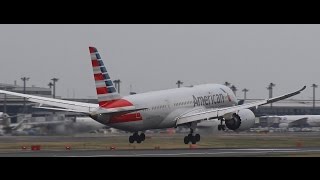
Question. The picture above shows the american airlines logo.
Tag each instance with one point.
(208, 100)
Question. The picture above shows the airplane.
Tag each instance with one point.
(64, 126)
(6, 127)
(288, 121)
(169, 108)
(60, 127)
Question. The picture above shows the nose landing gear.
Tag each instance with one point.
(221, 126)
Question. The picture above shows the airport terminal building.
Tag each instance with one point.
(15, 105)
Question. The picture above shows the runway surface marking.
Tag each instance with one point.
(159, 153)
(241, 151)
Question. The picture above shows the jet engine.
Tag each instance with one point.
(241, 121)
(283, 125)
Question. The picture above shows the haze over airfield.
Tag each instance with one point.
(154, 57)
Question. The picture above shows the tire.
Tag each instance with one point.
(219, 127)
(186, 140)
(197, 137)
(135, 136)
(142, 136)
(193, 140)
(131, 139)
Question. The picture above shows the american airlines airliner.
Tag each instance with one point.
(136, 113)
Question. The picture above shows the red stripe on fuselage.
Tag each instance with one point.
(115, 103)
(120, 118)
(102, 90)
(95, 63)
(125, 118)
(98, 77)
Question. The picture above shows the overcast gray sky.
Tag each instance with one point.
(154, 57)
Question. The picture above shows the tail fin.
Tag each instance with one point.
(105, 89)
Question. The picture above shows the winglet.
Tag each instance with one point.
(304, 87)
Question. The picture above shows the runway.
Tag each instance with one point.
(163, 145)
(164, 153)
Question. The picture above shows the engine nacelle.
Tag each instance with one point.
(283, 125)
(242, 121)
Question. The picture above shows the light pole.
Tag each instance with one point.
(117, 84)
(234, 89)
(5, 102)
(245, 93)
(270, 87)
(179, 83)
(54, 86)
(50, 86)
(314, 86)
(24, 79)
(227, 84)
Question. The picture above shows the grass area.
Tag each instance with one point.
(168, 142)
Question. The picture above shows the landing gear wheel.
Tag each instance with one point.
(197, 137)
(142, 136)
(131, 139)
(193, 140)
(186, 140)
(135, 136)
(223, 127)
(219, 127)
(138, 139)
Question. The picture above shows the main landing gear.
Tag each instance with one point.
(221, 126)
(137, 137)
(192, 138)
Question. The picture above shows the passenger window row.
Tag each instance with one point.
(157, 107)
(182, 103)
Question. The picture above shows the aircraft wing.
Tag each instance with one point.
(219, 112)
(5, 117)
(39, 124)
(299, 122)
(16, 126)
(69, 105)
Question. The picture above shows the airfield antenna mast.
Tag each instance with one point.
(227, 84)
(5, 102)
(54, 86)
(179, 83)
(245, 90)
(234, 89)
(117, 84)
(314, 86)
(50, 86)
(270, 88)
(24, 79)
